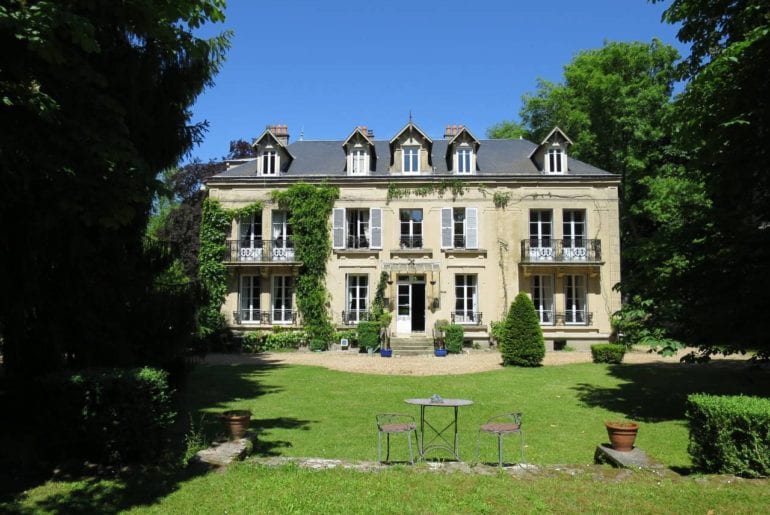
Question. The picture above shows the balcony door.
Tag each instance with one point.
(410, 317)
(574, 231)
(540, 234)
(282, 301)
(283, 245)
(250, 237)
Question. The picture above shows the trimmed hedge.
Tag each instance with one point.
(521, 341)
(608, 352)
(368, 335)
(455, 335)
(729, 434)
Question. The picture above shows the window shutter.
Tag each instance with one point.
(447, 228)
(375, 224)
(471, 228)
(338, 228)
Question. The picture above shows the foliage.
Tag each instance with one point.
(501, 199)
(369, 335)
(507, 129)
(194, 440)
(94, 102)
(633, 327)
(730, 434)
(215, 225)
(496, 330)
(111, 416)
(310, 207)
(350, 334)
(453, 186)
(607, 352)
(455, 336)
(278, 339)
(522, 342)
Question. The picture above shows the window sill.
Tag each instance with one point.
(410, 251)
(468, 252)
(357, 251)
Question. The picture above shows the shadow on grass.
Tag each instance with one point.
(655, 392)
(264, 447)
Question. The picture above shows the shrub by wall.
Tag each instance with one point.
(455, 334)
(729, 434)
(521, 341)
(369, 335)
(608, 352)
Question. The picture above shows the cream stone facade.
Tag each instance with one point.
(512, 224)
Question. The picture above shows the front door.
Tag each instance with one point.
(410, 315)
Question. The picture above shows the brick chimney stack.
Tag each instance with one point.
(281, 133)
(365, 130)
(452, 130)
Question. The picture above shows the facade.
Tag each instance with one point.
(459, 225)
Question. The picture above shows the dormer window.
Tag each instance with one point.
(411, 159)
(464, 160)
(269, 162)
(556, 161)
(359, 162)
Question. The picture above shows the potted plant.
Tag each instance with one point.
(384, 319)
(622, 435)
(236, 422)
(439, 338)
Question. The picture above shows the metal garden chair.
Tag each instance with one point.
(501, 425)
(395, 423)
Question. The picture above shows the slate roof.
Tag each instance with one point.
(495, 157)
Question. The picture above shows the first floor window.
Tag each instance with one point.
(542, 298)
(458, 218)
(358, 228)
(411, 228)
(358, 298)
(250, 291)
(466, 301)
(575, 299)
(282, 302)
(540, 233)
(250, 237)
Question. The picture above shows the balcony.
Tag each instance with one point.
(269, 317)
(571, 317)
(354, 316)
(548, 250)
(466, 317)
(261, 251)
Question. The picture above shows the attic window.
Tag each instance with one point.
(464, 160)
(269, 162)
(359, 162)
(555, 160)
(411, 156)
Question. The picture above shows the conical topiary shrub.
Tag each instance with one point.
(522, 339)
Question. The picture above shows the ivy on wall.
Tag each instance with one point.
(455, 187)
(309, 208)
(216, 223)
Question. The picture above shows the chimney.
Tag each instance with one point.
(365, 130)
(281, 133)
(452, 131)
(370, 134)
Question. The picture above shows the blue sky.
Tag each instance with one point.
(324, 67)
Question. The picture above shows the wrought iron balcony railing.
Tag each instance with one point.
(570, 250)
(410, 242)
(265, 317)
(466, 317)
(261, 251)
(354, 316)
(358, 242)
(569, 317)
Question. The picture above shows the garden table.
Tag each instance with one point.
(439, 435)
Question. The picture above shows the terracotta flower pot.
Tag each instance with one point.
(236, 422)
(622, 435)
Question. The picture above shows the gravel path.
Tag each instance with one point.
(474, 361)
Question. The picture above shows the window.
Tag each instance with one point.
(358, 299)
(542, 298)
(555, 161)
(282, 241)
(575, 299)
(411, 162)
(250, 237)
(464, 161)
(250, 291)
(459, 228)
(359, 162)
(411, 228)
(269, 162)
(358, 228)
(282, 302)
(574, 232)
(540, 245)
(466, 300)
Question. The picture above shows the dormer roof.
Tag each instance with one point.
(555, 133)
(268, 134)
(363, 133)
(411, 127)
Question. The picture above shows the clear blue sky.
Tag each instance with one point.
(324, 67)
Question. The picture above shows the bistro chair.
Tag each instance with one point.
(395, 423)
(501, 425)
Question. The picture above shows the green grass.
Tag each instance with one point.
(312, 412)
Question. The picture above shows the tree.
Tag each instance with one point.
(522, 338)
(95, 100)
(507, 129)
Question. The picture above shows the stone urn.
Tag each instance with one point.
(236, 422)
(622, 435)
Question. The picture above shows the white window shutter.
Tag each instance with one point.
(471, 228)
(338, 228)
(375, 225)
(447, 228)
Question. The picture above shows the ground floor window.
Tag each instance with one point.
(575, 299)
(466, 299)
(542, 298)
(283, 287)
(358, 298)
(250, 290)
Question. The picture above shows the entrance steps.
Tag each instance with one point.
(412, 346)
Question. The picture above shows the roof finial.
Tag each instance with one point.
(410, 116)
(302, 134)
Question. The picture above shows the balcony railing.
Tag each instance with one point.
(410, 242)
(548, 250)
(269, 317)
(466, 317)
(570, 317)
(358, 242)
(354, 316)
(261, 251)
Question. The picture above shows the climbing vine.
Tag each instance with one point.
(454, 186)
(216, 223)
(309, 210)
(501, 199)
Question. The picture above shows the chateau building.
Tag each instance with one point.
(460, 226)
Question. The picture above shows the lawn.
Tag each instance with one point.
(305, 411)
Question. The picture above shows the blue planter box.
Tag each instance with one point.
(386, 353)
(440, 352)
